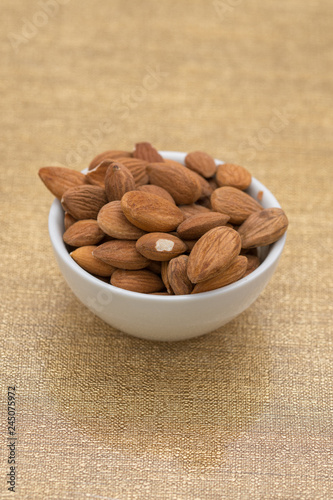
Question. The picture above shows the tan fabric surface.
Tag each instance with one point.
(244, 412)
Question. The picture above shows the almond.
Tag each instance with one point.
(118, 180)
(137, 281)
(59, 179)
(84, 202)
(233, 273)
(193, 209)
(263, 228)
(151, 212)
(202, 163)
(121, 254)
(206, 188)
(177, 276)
(179, 181)
(213, 253)
(151, 188)
(145, 151)
(96, 176)
(160, 246)
(235, 203)
(233, 175)
(111, 154)
(195, 226)
(253, 263)
(112, 221)
(137, 168)
(83, 256)
(155, 267)
(68, 221)
(165, 278)
(83, 233)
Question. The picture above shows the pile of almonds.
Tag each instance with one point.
(152, 225)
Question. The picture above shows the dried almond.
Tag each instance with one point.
(59, 179)
(151, 212)
(83, 233)
(253, 263)
(151, 188)
(195, 226)
(236, 176)
(137, 281)
(263, 228)
(111, 154)
(193, 209)
(112, 221)
(145, 151)
(121, 254)
(177, 276)
(160, 246)
(235, 203)
(201, 162)
(137, 168)
(213, 253)
(84, 202)
(118, 180)
(96, 176)
(68, 221)
(83, 256)
(234, 272)
(179, 181)
(155, 267)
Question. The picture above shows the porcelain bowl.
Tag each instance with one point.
(159, 317)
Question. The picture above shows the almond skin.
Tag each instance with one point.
(193, 209)
(112, 221)
(197, 225)
(68, 221)
(233, 175)
(235, 203)
(213, 253)
(179, 181)
(151, 212)
(96, 176)
(84, 202)
(160, 246)
(145, 151)
(151, 188)
(165, 277)
(83, 256)
(59, 179)
(263, 228)
(121, 254)
(137, 281)
(234, 272)
(253, 263)
(83, 233)
(111, 154)
(177, 276)
(201, 162)
(118, 181)
(137, 168)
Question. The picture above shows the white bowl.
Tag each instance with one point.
(159, 317)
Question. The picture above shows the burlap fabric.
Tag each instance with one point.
(244, 412)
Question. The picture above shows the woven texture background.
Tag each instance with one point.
(244, 412)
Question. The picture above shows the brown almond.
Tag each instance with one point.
(97, 175)
(263, 228)
(111, 154)
(151, 188)
(236, 176)
(155, 267)
(121, 254)
(112, 221)
(145, 151)
(83, 233)
(59, 179)
(84, 202)
(179, 181)
(137, 168)
(253, 263)
(151, 212)
(177, 276)
(68, 221)
(235, 203)
(193, 209)
(197, 225)
(234, 272)
(137, 281)
(213, 253)
(118, 181)
(206, 189)
(83, 256)
(201, 162)
(165, 278)
(160, 246)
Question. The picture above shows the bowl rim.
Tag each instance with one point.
(56, 233)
